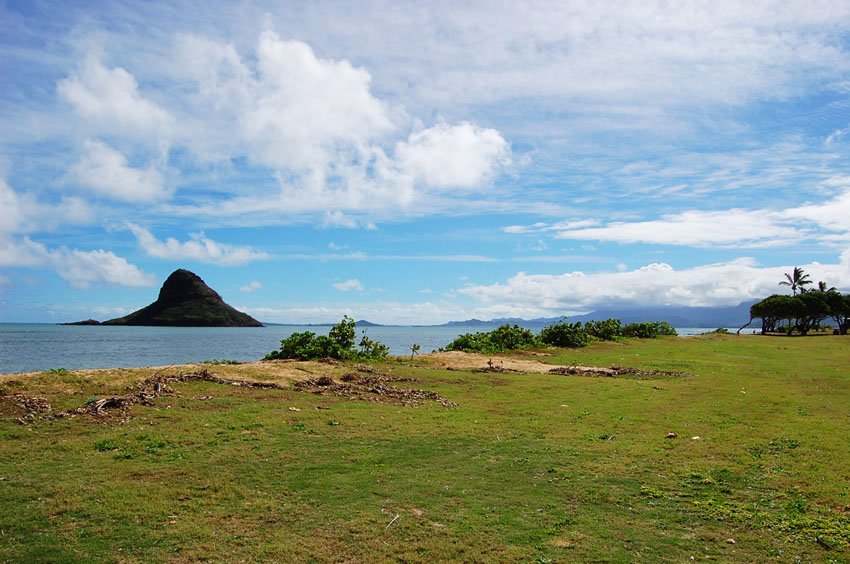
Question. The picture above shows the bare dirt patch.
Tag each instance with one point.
(474, 362)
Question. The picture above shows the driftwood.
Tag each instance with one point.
(356, 386)
(158, 385)
(611, 372)
(371, 388)
(32, 406)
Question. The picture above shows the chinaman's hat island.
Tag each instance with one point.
(184, 301)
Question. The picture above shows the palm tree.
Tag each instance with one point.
(797, 279)
(823, 288)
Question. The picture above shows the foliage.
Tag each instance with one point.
(803, 312)
(648, 330)
(607, 330)
(503, 338)
(797, 279)
(372, 350)
(225, 361)
(839, 309)
(564, 334)
(344, 333)
(414, 348)
(338, 344)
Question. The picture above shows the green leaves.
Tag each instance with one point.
(338, 344)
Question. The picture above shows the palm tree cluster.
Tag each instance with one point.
(804, 310)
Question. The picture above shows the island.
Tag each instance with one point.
(186, 301)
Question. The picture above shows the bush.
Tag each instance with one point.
(607, 330)
(372, 350)
(338, 344)
(503, 338)
(648, 330)
(563, 334)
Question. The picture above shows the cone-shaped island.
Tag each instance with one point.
(186, 301)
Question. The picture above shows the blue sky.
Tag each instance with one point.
(420, 162)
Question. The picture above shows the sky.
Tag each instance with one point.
(420, 162)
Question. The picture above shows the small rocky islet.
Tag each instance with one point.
(184, 300)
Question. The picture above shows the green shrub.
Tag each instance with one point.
(607, 330)
(503, 338)
(372, 350)
(338, 344)
(563, 334)
(648, 330)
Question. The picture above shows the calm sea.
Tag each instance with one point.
(27, 347)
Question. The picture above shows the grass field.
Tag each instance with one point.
(526, 467)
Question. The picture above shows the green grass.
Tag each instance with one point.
(526, 468)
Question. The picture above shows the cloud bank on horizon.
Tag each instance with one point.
(535, 160)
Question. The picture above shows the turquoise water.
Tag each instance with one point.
(26, 347)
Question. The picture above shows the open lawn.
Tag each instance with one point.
(527, 467)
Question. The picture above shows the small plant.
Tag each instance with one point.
(372, 350)
(105, 445)
(57, 371)
(221, 361)
(414, 348)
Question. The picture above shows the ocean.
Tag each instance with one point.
(30, 347)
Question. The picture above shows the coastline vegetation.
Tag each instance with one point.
(804, 310)
(562, 334)
(338, 344)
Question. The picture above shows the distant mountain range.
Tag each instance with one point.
(677, 316)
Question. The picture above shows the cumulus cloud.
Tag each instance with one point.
(252, 286)
(80, 269)
(349, 285)
(651, 285)
(316, 123)
(199, 248)
(459, 156)
(24, 213)
(110, 99)
(306, 107)
(105, 172)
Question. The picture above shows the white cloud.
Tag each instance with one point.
(81, 269)
(105, 172)
(199, 248)
(338, 219)
(22, 252)
(695, 229)
(318, 126)
(652, 285)
(736, 228)
(306, 108)
(109, 99)
(24, 213)
(459, 156)
(109, 312)
(349, 285)
(252, 286)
